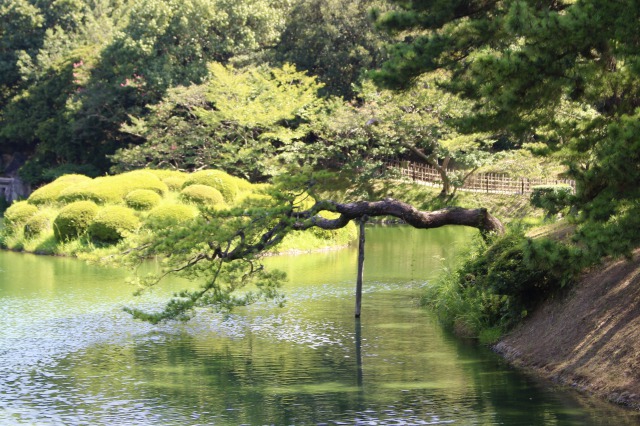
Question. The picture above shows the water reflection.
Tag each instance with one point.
(71, 356)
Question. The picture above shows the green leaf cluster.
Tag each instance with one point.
(551, 198)
(72, 72)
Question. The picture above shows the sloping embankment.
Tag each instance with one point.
(589, 339)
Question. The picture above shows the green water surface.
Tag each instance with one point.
(70, 355)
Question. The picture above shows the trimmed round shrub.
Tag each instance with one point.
(36, 225)
(174, 183)
(74, 220)
(170, 214)
(49, 193)
(142, 199)
(162, 174)
(141, 179)
(100, 190)
(112, 189)
(201, 194)
(113, 223)
(551, 198)
(18, 213)
(217, 179)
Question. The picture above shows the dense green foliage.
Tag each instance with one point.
(416, 123)
(501, 280)
(557, 73)
(551, 198)
(562, 77)
(73, 72)
(248, 122)
(333, 40)
(110, 85)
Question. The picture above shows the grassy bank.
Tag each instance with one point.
(79, 216)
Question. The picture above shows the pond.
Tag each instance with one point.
(70, 355)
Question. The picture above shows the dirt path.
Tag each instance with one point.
(589, 339)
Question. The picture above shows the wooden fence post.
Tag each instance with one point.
(363, 220)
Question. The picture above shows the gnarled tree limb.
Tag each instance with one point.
(476, 218)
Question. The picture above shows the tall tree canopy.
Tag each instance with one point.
(249, 122)
(333, 40)
(566, 73)
(72, 72)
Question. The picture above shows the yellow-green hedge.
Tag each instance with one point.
(112, 223)
(113, 189)
(49, 193)
(74, 220)
(142, 199)
(201, 194)
(223, 182)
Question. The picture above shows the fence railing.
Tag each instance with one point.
(492, 183)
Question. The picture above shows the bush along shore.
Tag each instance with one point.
(79, 216)
(552, 300)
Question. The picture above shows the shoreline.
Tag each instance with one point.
(588, 339)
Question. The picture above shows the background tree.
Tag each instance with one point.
(77, 70)
(37, 118)
(415, 123)
(21, 31)
(333, 40)
(250, 122)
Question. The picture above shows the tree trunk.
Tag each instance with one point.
(432, 160)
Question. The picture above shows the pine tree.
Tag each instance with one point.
(566, 73)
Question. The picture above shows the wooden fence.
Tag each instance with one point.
(492, 183)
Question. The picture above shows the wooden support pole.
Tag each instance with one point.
(363, 220)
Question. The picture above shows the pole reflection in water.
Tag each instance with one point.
(358, 343)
